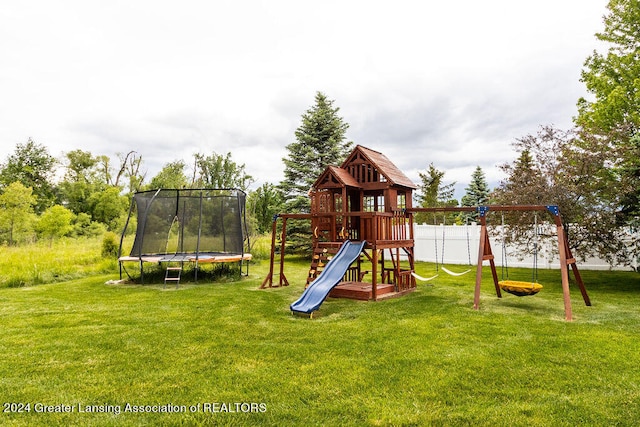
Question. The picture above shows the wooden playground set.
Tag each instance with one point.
(363, 245)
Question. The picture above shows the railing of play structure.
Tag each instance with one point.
(369, 226)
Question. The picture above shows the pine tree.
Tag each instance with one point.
(320, 142)
(477, 193)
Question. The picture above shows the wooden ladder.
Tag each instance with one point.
(322, 254)
(172, 274)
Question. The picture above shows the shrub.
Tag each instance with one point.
(110, 245)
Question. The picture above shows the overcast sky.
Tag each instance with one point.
(450, 83)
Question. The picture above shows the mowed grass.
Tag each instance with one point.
(427, 358)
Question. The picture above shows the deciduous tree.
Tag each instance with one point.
(82, 178)
(552, 170)
(218, 171)
(33, 166)
(262, 204)
(16, 211)
(54, 223)
(172, 175)
(109, 207)
(609, 119)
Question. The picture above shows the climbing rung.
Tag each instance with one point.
(170, 277)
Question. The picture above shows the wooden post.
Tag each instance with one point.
(481, 250)
(566, 259)
(576, 273)
(412, 260)
(283, 279)
(374, 273)
(269, 278)
(564, 270)
(488, 256)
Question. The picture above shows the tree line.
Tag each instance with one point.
(591, 171)
(84, 194)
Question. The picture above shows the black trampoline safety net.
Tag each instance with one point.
(189, 221)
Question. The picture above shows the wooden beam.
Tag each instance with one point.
(495, 208)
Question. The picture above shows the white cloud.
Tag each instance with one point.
(452, 83)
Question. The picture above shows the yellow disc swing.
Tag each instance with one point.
(516, 287)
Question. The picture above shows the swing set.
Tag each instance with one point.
(518, 288)
(440, 264)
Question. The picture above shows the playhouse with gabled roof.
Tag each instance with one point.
(365, 200)
(366, 182)
(363, 205)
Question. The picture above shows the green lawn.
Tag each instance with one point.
(424, 359)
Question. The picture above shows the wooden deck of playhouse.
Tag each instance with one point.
(364, 291)
(379, 264)
(391, 280)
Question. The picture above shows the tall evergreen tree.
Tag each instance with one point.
(320, 142)
(476, 194)
(524, 184)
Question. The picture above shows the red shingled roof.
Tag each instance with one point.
(383, 164)
(341, 175)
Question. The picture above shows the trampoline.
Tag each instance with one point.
(187, 226)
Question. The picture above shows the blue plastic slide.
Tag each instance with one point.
(317, 291)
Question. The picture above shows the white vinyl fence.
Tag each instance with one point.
(458, 244)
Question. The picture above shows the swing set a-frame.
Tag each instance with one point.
(485, 253)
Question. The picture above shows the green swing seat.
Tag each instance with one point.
(519, 288)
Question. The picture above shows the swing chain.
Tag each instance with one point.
(535, 248)
(435, 239)
(505, 267)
